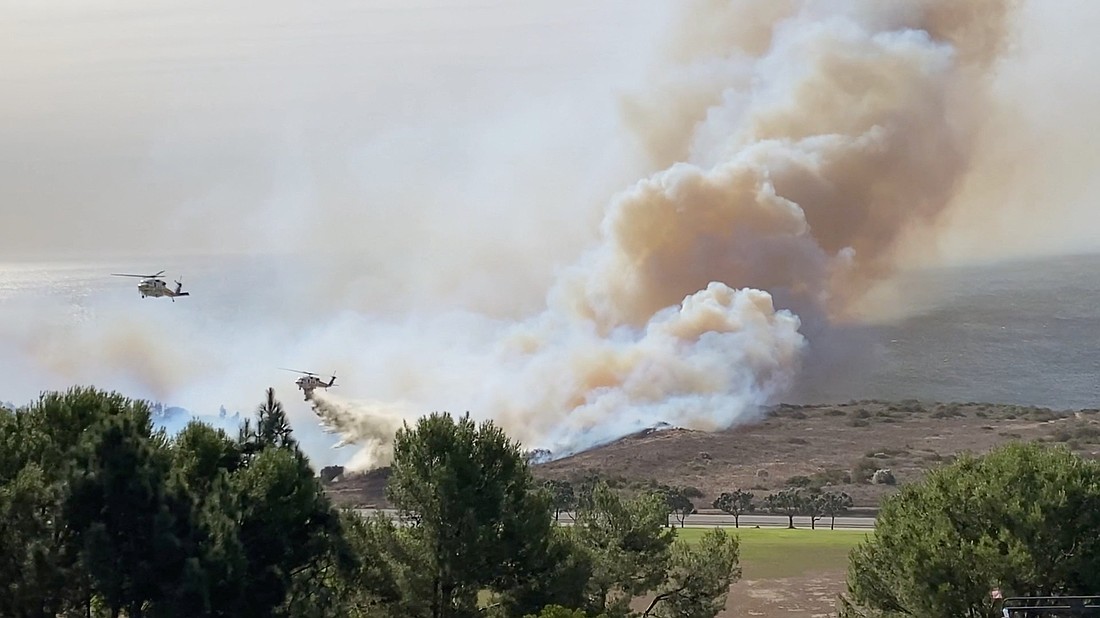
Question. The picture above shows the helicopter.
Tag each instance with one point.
(311, 381)
(152, 285)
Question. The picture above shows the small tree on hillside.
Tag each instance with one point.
(736, 503)
(562, 496)
(679, 504)
(836, 504)
(813, 505)
(789, 502)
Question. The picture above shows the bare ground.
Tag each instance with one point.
(839, 446)
(805, 596)
(809, 596)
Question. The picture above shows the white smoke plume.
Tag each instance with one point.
(785, 155)
(704, 364)
(804, 149)
(369, 425)
(562, 386)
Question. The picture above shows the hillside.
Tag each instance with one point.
(839, 445)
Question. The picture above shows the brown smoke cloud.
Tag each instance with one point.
(818, 139)
(1031, 186)
(802, 143)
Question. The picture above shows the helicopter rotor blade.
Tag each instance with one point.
(141, 276)
(308, 373)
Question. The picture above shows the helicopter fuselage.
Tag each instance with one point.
(309, 382)
(157, 288)
(154, 286)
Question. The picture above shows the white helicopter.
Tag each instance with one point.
(152, 285)
(310, 381)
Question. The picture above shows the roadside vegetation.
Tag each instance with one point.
(101, 515)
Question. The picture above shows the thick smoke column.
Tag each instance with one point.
(801, 151)
(703, 364)
(719, 355)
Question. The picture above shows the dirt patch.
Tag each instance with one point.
(810, 596)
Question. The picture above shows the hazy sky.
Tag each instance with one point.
(191, 126)
(197, 126)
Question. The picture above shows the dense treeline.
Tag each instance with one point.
(100, 515)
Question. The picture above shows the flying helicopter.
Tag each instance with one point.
(310, 381)
(154, 286)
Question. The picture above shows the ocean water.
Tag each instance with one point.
(1024, 332)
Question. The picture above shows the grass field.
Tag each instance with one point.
(773, 553)
(789, 573)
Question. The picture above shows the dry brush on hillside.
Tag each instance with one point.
(840, 446)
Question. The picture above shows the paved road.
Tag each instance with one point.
(709, 520)
(705, 520)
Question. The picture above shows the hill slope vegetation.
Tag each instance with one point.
(839, 446)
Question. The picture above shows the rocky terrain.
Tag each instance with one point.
(839, 446)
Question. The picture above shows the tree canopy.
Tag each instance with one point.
(476, 517)
(736, 503)
(100, 515)
(1024, 519)
(104, 516)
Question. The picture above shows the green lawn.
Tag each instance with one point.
(774, 553)
(770, 553)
